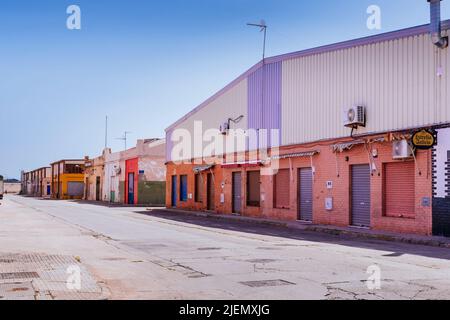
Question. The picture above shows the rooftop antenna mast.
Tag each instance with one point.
(263, 26)
(124, 138)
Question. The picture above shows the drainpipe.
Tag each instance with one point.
(435, 24)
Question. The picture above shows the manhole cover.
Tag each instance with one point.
(261, 260)
(18, 275)
(267, 283)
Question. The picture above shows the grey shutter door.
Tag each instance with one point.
(305, 195)
(75, 189)
(360, 195)
(237, 192)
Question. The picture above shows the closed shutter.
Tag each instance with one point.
(282, 189)
(237, 192)
(399, 190)
(198, 188)
(360, 191)
(183, 188)
(253, 188)
(75, 189)
(305, 194)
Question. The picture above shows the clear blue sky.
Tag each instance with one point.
(146, 63)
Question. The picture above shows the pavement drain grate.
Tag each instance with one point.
(209, 249)
(262, 260)
(7, 261)
(267, 283)
(18, 275)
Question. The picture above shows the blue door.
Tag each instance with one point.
(131, 188)
(183, 188)
(49, 191)
(174, 191)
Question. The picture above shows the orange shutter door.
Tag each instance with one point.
(399, 189)
(282, 189)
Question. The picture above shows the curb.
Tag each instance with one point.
(390, 237)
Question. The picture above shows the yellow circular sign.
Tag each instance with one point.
(423, 139)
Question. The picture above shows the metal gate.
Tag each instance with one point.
(305, 194)
(360, 195)
(210, 191)
(174, 191)
(237, 192)
(75, 189)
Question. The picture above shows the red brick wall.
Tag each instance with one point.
(328, 167)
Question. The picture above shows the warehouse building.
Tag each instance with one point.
(349, 134)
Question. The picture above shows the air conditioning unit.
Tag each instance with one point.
(225, 127)
(401, 150)
(355, 117)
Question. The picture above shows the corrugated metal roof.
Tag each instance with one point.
(328, 48)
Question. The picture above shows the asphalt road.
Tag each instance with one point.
(140, 254)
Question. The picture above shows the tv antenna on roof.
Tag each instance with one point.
(124, 138)
(263, 26)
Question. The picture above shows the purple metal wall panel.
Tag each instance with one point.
(264, 99)
(169, 145)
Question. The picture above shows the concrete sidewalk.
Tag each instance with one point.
(333, 230)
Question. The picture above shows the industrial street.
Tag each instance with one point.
(135, 253)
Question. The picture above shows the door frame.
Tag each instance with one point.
(174, 191)
(130, 200)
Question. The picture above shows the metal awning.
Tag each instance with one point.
(247, 164)
(341, 147)
(295, 155)
(202, 168)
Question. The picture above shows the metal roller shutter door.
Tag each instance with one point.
(237, 192)
(253, 188)
(282, 189)
(361, 195)
(305, 194)
(399, 189)
(75, 189)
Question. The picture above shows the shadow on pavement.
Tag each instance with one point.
(393, 249)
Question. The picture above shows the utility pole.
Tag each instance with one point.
(106, 133)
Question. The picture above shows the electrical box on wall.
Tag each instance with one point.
(329, 185)
(329, 204)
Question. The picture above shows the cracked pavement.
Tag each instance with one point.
(137, 254)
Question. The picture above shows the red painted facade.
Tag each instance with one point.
(131, 166)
